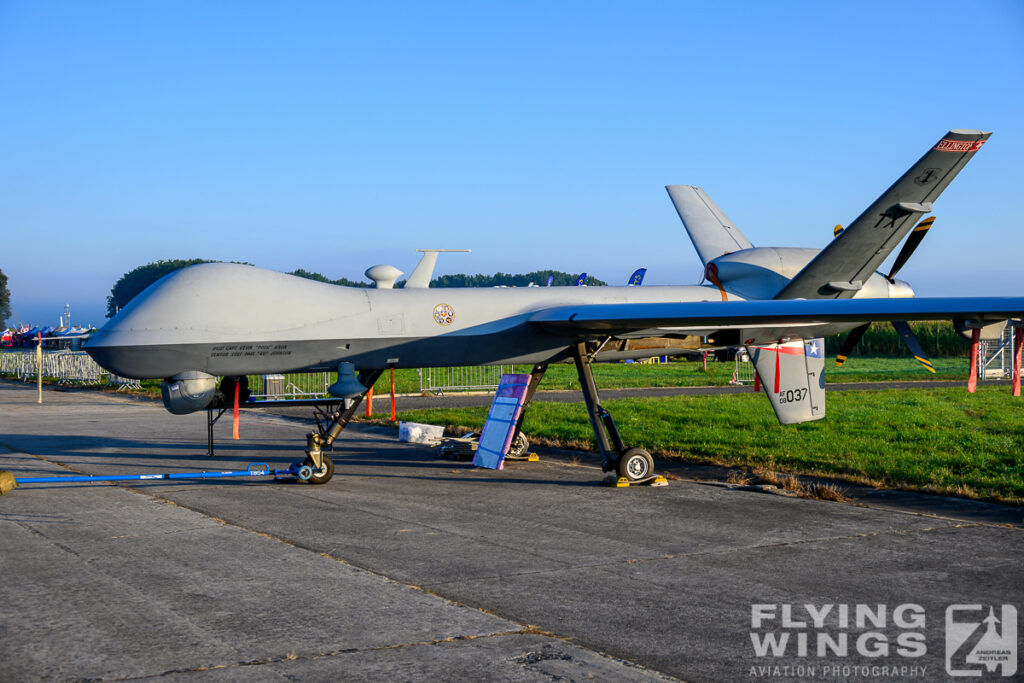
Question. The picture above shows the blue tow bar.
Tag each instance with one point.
(256, 469)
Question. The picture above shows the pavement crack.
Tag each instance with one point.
(524, 629)
(437, 529)
(294, 656)
(36, 532)
(708, 553)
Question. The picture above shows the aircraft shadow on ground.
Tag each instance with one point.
(483, 479)
(143, 457)
(104, 447)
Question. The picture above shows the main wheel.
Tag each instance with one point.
(322, 475)
(636, 464)
(519, 446)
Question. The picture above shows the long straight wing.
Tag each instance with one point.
(623, 318)
(850, 259)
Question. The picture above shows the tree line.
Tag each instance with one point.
(938, 339)
(132, 283)
(5, 301)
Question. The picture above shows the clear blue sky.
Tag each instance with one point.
(332, 136)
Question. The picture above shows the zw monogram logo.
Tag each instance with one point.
(975, 641)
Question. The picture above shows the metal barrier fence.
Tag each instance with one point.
(995, 356)
(67, 367)
(743, 369)
(482, 377)
(291, 385)
(77, 367)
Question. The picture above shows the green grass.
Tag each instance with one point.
(939, 440)
(683, 374)
(894, 368)
(693, 374)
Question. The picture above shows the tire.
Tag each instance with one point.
(636, 464)
(324, 474)
(227, 388)
(519, 447)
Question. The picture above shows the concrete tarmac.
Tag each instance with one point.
(409, 567)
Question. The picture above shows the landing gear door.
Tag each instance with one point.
(792, 375)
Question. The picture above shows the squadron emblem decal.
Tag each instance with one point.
(444, 314)
(947, 145)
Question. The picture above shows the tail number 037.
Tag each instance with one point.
(792, 395)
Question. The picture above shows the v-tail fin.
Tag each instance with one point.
(710, 230)
(793, 377)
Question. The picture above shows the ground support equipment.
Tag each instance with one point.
(256, 469)
(460, 448)
(519, 448)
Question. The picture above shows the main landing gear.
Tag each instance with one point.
(318, 468)
(635, 465)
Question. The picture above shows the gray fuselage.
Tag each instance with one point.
(231, 319)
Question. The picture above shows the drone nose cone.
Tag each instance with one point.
(99, 338)
(107, 347)
(900, 289)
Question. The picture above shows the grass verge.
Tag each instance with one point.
(694, 374)
(562, 376)
(937, 440)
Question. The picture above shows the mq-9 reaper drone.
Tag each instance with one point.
(234, 320)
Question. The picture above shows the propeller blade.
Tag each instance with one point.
(903, 329)
(836, 230)
(910, 245)
(850, 342)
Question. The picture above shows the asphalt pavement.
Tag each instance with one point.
(409, 567)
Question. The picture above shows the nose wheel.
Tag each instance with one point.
(311, 473)
(318, 468)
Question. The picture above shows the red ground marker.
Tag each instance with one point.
(972, 378)
(234, 421)
(392, 394)
(1018, 338)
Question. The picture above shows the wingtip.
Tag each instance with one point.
(969, 131)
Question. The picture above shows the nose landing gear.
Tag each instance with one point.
(318, 467)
